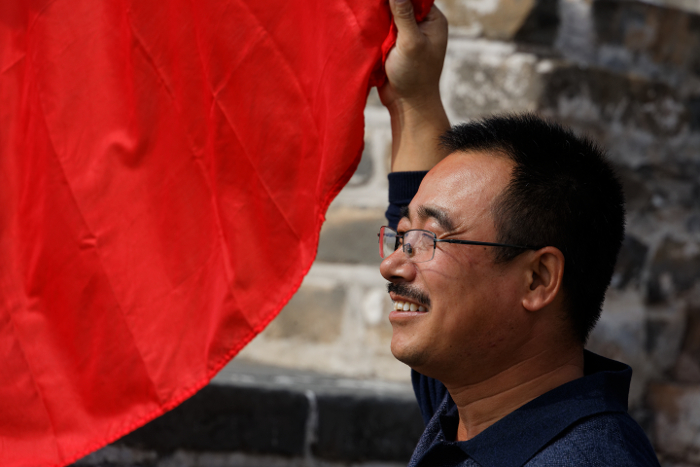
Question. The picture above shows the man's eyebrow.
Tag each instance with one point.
(443, 220)
(425, 212)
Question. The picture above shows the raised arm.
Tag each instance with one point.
(412, 92)
(412, 95)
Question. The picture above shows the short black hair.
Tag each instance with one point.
(563, 193)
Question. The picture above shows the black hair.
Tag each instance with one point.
(563, 193)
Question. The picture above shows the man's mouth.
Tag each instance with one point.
(407, 306)
(408, 298)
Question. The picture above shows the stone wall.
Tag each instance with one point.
(626, 73)
(261, 416)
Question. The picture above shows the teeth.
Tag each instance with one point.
(407, 306)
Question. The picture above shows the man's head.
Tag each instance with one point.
(514, 180)
(563, 193)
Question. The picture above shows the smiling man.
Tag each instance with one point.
(498, 260)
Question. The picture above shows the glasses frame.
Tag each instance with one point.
(435, 242)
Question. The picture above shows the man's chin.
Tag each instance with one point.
(412, 357)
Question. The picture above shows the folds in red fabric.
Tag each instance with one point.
(165, 168)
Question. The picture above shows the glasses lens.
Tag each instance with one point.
(419, 245)
(388, 242)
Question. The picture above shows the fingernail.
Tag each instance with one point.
(401, 1)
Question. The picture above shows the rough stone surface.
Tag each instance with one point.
(530, 21)
(541, 25)
(636, 35)
(674, 270)
(677, 421)
(349, 235)
(364, 169)
(691, 6)
(621, 112)
(348, 428)
(629, 265)
(224, 418)
(274, 417)
(120, 456)
(687, 369)
(482, 79)
(313, 314)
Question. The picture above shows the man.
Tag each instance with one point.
(498, 269)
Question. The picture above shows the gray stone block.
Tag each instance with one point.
(532, 21)
(254, 415)
(365, 168)
(349, 235)
(541, 24)
(274, 411)
(314, 314)
(597, 98)
(654, 38)
(630, 262)
(638, 195)
(677, 419)
(640, 121)
(688, 365)
(359, 429)
(488, 82)
(229, 418)
(674, 269)
(693, 105)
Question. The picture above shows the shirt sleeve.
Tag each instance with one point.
(402, 188)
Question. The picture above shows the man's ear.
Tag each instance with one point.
(544, 274)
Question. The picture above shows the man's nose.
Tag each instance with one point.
(397, 267)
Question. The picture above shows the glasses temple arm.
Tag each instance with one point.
(471, 242)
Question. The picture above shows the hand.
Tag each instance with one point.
(414, 64)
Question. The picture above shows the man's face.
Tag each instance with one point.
(474, 315)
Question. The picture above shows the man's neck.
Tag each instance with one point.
(482, 404)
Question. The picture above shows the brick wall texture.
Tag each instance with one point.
(626, 73)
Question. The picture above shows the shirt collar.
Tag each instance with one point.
(517, 437)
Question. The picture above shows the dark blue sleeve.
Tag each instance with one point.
(402, 187)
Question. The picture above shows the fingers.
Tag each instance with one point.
(435, 20)
(405, 19)
(436, 15)
(435, 27)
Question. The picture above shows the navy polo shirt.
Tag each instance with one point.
(581, 423)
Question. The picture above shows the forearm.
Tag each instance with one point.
(415, 132)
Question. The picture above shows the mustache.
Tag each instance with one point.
(410, 292)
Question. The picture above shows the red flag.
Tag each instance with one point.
(165, 168)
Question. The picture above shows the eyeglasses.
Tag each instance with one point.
(419, 245)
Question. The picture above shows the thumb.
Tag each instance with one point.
(404, 18)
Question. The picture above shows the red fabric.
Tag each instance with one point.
(165, 167)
